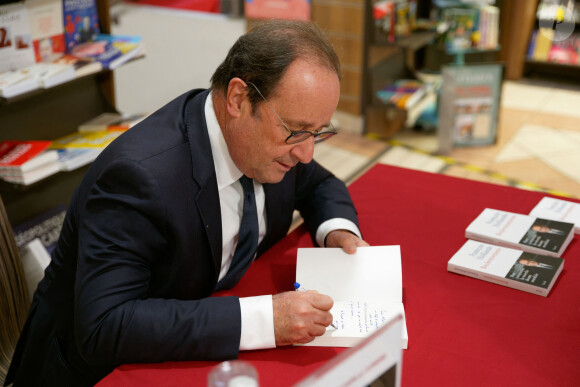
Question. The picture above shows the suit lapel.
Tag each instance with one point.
(203, 173)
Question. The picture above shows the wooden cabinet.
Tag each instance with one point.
(47, 114)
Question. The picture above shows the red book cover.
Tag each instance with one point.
(16, 153)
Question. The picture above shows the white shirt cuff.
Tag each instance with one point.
(335, 224)
(257, 323)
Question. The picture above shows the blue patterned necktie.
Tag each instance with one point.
(247, 239)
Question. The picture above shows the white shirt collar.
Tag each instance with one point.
(226, 171)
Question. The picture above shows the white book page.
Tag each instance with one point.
(372, 272)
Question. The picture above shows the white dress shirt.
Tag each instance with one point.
(257, 312)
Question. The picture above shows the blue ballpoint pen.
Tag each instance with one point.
(298, 288)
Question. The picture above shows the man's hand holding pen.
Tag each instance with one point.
(300, 316)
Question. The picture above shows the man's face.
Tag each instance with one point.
(305, 100)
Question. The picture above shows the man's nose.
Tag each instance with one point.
(303, 151)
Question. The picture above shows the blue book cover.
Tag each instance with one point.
(110, 50)
(46, 226)
(81, 22)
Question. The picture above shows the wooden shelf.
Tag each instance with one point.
(47, 114)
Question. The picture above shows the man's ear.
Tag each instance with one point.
(236, 96)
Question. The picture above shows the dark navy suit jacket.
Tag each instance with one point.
(140, 252)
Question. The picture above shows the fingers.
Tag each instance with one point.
(299, 317)
(345, 239)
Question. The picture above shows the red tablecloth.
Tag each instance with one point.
(462, 331)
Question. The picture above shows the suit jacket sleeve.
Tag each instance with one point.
(117, 319)
(321, 196)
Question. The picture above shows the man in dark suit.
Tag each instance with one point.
(152, 230)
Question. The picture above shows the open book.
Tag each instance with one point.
(367, 289)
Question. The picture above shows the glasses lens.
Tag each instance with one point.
(297, 137)
(323, 136)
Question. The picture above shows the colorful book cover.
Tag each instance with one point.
(110, 50)
(86, 140)
(17, 153)
(533, 273)
(81, 22)
(82, 66)
(16, 48)
(47, 28)
(462, 23)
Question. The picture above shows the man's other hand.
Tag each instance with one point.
(345, 239)
(300, 316)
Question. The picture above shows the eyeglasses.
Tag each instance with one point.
(301, 135)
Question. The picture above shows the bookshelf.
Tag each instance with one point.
(47, 114)
(559, 56)
(384, 62)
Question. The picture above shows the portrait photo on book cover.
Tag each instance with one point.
(547, 234)
(535, 269)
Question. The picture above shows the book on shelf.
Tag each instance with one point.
(522, 232)
(461, 25)
(111, 50)
(543, 44)
(517, 269)
(366, 288)
(78, 149)
(16, 48)
(81, 22)
(82, 66)
(50, 74)
(558, 209)
(35, 258)
(24, 156)
(45, 226)
(31, 176)
(16, 82)
(565, 51)
(111, 121)
(404, 93)
(47, 28)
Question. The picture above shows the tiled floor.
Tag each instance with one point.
(538, 144)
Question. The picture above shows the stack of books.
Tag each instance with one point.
(26, 162)
(404, 93)
(50, 42)
(516, 250)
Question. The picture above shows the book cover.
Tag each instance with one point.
(462, 23)
(384, 15)
(13, 83)
(544, 40)
(16, 48)
(111, 50)
(95, 140)
(558, 209)
(47, 28)
(45, 226)
(70, 159)
(404, 93)
(111, 121)
(533, 273)
(519, 231)
(81, 22)
(82, 66)
(21, 154)
(367, 289)
(50, 74)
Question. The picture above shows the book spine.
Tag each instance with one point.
(497, 280)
